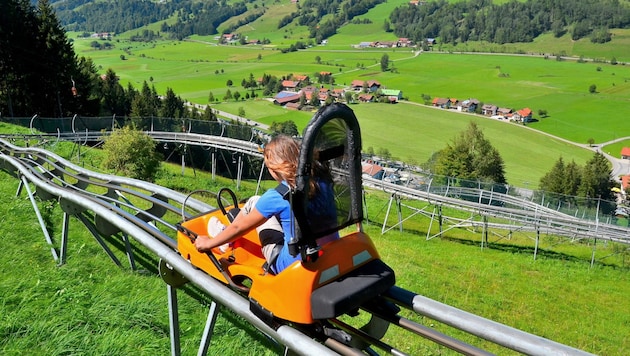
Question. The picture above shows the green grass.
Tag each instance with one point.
(387, 126)
(89, 306)
(197, 67)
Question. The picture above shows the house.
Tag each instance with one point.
(431, 41)
(489, 110)
(338, 93)
(404, 42)
(356, 85)
(366, 98)
(372, 170)
(301, 78)
(443, 103)
(392, 94)
(625, 153)
(229, 37)
(284, 97)
(524, 115)
(505, 112)
(385, 44)
(373, 85)
(292, 106)
(290, 85)
(468, 105)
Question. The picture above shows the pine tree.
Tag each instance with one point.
(596, 182)
(553, 181)
(39, 71)
(113, 96)
(56, 64)
(471, 156)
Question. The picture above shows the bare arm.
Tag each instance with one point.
(241, 225)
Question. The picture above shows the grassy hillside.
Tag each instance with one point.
(198, 66)
(90, 306)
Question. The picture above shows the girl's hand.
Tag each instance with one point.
(203, 243)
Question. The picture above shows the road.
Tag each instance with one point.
(619, 166)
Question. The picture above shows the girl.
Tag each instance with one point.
(269, 213)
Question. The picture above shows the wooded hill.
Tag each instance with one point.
(449, 22)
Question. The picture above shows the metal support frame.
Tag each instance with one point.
(40, 219)
(484, 231)
(99, 239)
(173, 318)
(239, 171)
(208, 330)
(399, 205)
(65, 228)
(214, 164)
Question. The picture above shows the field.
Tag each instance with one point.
(91, 307)
(199, 66)
(89, 304)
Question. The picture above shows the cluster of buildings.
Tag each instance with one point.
(299, 86)
(490, 110)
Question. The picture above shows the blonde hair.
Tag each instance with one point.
(281, 156)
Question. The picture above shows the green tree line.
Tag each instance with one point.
(41, 74)
(514, 21)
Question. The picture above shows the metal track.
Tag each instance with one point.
(111, 206)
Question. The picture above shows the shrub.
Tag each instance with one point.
(132, 153)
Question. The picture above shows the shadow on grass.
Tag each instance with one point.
(529, 250)
(147, 264)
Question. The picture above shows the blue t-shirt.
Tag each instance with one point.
(271, 203)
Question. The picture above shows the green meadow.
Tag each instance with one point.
(89, 304)
(199, 66)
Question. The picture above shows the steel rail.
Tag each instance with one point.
(146, 235)
(509, 337)
(518, 210)
(23, 165)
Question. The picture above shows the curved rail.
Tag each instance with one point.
(517, 212)
(142, 211)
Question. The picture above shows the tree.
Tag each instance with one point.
(596, 182)
(39, 70)
(553, 181)
(147, 103)
(241, 111)
(318, 59)
(113, 97)
(210, 97)
(592, 89)
(229, 83)
(132, 153)
(384, 153)
(172, 105)
(228, 95)
(471, 156)
(384, 63)
(348, 96)
(286, 128)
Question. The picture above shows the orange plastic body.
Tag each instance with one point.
(288, 294)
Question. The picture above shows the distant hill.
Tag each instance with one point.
(421, 21)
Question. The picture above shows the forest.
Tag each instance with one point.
(450, 22)
(514, 21)
(193, 17)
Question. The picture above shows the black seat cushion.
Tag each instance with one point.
(352, 290)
